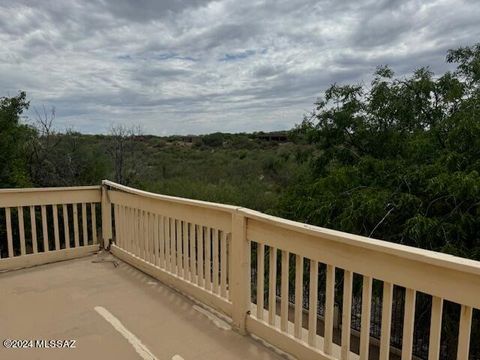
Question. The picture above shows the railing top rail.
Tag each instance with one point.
(174, 199)
(403, 251)
(49, 189)
(49, 196)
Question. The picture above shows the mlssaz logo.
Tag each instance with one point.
(52, 344)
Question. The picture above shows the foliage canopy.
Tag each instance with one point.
(398, 160)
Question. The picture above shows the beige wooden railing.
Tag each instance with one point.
(48, 225)
(205, 250)
(442, 276)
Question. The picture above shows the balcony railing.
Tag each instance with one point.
(271, 276)
(45, 225)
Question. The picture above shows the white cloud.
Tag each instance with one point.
(203, 66)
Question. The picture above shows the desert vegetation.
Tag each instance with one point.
(397, 159)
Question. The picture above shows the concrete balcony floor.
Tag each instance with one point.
(142, 319)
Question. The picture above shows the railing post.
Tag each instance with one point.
(240, 286)
(106, 217)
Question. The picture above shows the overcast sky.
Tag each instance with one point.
(194, 66)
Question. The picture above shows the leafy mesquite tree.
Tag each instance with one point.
(399, 160)
(13, 139)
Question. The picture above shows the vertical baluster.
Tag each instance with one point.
(260, 279)
(8, 220)
(156, 239)
(128, 230)
(186, 262)
(149, 236)
(66, 228)
(200, 235)
(435, 328)
(171, 244)
(75, 225)
(151, 232)
(193, 270)
(132, 231)
(178, 242)
(464, 330)
(346, 313)
(208, 259)
(174, 245)
(312, 304)
(366, 314)
(55, 227)
(131, 234)
(141, 235)
(173, 248)
(329, 309)
(152, 239)
(21, 230)
(215, 260)
(144, 233)
(162, 241)
(135, 232)
(145, 236)
(116, 216)
(167, 243)
(146, 226)
(223, 264)
(128, 233)
(121, 219)
(229, 264)
(272, 285)
(141, 246)
(33, 228)
(94, 223)
(125, 227)
(408, 324)
(123, 212)
(298, 296)
(133, 221)
(116, 224)
(84, 224)
(44, 228)
(386, 321)
(284, 292)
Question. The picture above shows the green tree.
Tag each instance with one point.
(14, 136)
(398, 160)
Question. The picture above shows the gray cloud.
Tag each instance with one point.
(146, 10)
(197, 66)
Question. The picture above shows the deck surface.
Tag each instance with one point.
(63, 301)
